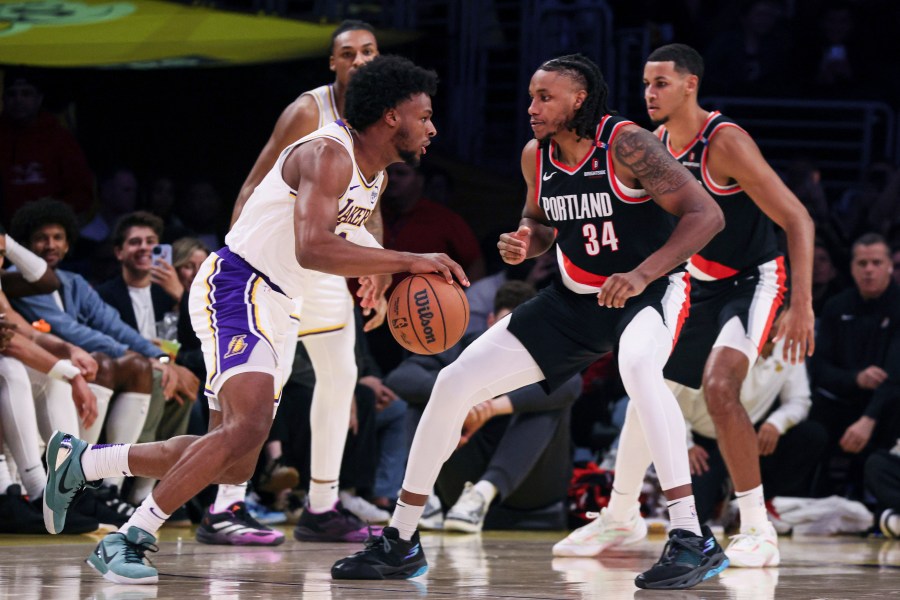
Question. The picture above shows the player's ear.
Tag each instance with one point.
(579, 98)
(391, 117)
(692, 83)
(331, 66)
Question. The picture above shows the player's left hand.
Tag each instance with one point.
(797, 328)
(767, 438)
(619, 287)
(164, 275)
(371, 294)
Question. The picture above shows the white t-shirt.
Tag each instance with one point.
(142, 303)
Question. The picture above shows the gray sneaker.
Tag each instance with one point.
(65, 478)
(467, 515)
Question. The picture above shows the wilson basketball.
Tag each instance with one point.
(426, 314)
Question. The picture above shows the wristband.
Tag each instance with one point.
(64, 370)
(30, 265)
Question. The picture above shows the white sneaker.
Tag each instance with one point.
(601, 534)
(754, 548)
(364, 510)
(433, 517)
(467, 515)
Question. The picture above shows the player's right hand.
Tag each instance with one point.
(438, 263)
(514, 246)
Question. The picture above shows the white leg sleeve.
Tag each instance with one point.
(53, 401)
(492, 365)
(334, 362)
(19, 420)
(643, 350)
(103, 394)
(633, 455)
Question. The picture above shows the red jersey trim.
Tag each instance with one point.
(704, 167)
(697, 137)
(538, 167)
(781, 273)
(611, 172)
(711, 268)
(579, 275)
(564, 168)
(685, 308)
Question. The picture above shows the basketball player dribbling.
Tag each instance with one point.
(737, 286)
(326, 328)
(605, 190)
(308, 214)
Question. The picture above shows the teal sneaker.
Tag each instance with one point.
(119, 557)
(65, 478)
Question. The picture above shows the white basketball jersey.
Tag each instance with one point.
(324, 97)
(264, 233)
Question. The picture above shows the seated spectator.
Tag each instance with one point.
(826, 280)
(514, 447)
(129, 364)
(856, 367)
(93, 255)
(38, 156)
(162, 201)
(883, 480)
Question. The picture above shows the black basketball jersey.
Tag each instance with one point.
(602, 226)
(749, 235)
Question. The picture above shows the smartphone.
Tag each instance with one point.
(161, 253)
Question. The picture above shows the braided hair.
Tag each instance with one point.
(585, 72)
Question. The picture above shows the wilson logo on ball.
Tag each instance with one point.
(425, 315)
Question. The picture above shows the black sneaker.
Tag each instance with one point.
(17, 515)
(110, 495)
(236, 527)
(97, 505)
(686, 560)
(335, 525)
(385, 557)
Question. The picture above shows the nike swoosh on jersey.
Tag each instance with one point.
(547, 176)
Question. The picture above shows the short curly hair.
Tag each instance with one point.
(47, 211)
(381, 84)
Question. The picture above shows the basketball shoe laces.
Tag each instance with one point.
(677, 547)
(135, 553)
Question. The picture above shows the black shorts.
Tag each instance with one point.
(753, 296)
(565, 332)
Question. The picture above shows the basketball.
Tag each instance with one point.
(427, 315)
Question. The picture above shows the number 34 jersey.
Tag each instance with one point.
(602, 226)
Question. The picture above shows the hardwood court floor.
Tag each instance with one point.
(489, 565)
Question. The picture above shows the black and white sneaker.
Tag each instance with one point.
(687, 559)
(385, 557)
(468, 514)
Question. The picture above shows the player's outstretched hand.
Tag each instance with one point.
(439, 263)
(372, 301)
(619, 287)
(797, 328)
(514, 246)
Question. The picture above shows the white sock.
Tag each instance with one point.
(486, 489)
(127, 415)
(148, 516)
(322, 496)
(752, 505)
(53, 404)
(228, 495)
(105, 460)
(683, 514)
(92, 434)
(33, 479)
(5, 479)
(406, 519)
(622, 505)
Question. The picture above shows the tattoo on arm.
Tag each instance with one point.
(650, 162)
